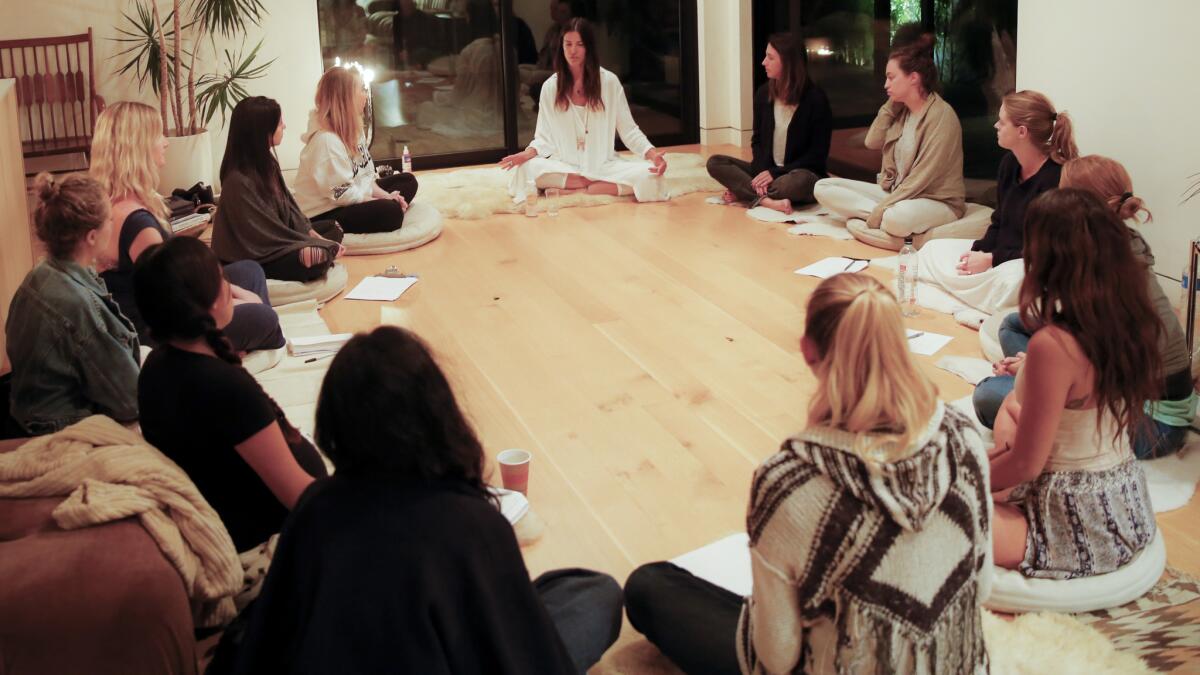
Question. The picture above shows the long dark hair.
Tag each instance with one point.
(591, 67)
(1082, 276)
(248, 150)
(175, 285)
(794, 76)
(386, 408)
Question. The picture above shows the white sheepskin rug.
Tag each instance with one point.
(472, 194)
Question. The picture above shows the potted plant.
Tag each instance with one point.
(162, 49)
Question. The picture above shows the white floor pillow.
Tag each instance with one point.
(989, 337)
(325, 288)
(422, 224)
(1015, 593)
(263, 359)
(971, 226)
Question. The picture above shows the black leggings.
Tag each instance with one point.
(291, 266)
(377, 215)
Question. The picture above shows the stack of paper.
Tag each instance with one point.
(386, 289)
(319, 344)
(926, 344)
(823, 269)
(725, 562)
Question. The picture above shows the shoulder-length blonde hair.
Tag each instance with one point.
(123, 155)
(335, 105)
(867, 382)
(1108, 180)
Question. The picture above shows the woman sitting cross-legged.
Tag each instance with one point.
(986, 273)
(1079, 505)
(73, 353)
(792, 127)
(581, 111)
(870, 537)
(921, 183)
(258, 219)
(336, 179)
(128, 150)
(201, 409)
(402, 562)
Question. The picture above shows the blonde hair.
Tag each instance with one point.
(67, 209)
(122, 154)
(1109, 181)
(335, 105)
(1049, 129)
(868, 383)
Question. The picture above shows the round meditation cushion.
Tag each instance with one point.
(422, 224)
(989, 335)
(263, 359)
(971, 226)
(1015, 593)
(325, 288)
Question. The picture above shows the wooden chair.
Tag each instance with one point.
(56, 92)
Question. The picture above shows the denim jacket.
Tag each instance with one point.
(73, 353)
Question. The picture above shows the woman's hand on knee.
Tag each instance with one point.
(762, 182)
(517, 159)
(658, 159)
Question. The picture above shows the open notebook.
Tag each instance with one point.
(725, 562)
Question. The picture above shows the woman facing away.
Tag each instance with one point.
(202, 409)
(792, 127)
(402, 561)
(581, 111)
(259, 219)
(921, 182)
(1080, 506)
(73, 353)
(128, 150)
(870, 536)
(986, 274)
(1175, 405)
(336, 179)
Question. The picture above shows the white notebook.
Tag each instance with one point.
(384, 289)
(318, 344)
(725, 562)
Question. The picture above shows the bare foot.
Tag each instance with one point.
(780, 205)
(729, 198)
(603, 188)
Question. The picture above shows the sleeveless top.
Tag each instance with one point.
(1080, 445)
(120, 279)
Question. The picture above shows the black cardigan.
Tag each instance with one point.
(1005, 237)
(807, 136)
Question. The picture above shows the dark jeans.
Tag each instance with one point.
(290, 267)
(736, 174)
(254, 325)
(377, 215)
(691, 621)
(585, 607)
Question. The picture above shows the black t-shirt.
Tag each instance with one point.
(1005, 237)
(196, 409)
(120, 278)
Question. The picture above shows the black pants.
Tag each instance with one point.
(691, 621)
(291, 268)
(585, 607)
(377, 215)
(736, 174)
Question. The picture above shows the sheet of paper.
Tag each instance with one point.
(725, 562)
(823, 269)
(926, 344)
(385, 289)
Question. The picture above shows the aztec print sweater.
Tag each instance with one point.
(861, 571)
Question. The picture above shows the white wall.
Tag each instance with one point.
(1128, 77)
(726, 71)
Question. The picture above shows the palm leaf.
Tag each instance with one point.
(227, 17)
(221, 91)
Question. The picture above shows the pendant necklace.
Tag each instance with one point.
(581, 140)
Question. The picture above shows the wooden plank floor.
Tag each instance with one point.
(645, 354)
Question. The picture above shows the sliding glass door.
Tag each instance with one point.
(457, 81)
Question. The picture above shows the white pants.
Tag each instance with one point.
(630, 175)
(857, 199)
(989, 291)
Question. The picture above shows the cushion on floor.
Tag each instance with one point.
(422, 224)
(263, 359)
(325, 288)
(971, 226)
(1015, 593)
(989, 335)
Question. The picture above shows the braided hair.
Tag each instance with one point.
(175, 284)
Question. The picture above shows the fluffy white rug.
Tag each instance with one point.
(472, 194)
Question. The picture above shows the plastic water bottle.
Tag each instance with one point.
(906, 279)
(406, 161)
(531, 199)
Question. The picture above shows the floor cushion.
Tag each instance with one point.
(1015, 593)
(422, 224)
(263, 359)
(971, 226)
(989, 335)
(325, 288)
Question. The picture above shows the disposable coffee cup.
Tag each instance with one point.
(514, 469)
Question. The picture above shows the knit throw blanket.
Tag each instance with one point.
(878, 569)
(108, 473)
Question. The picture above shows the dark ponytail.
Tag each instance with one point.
(175, 285)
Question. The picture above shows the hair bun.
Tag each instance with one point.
(925, 42)
(45, 186)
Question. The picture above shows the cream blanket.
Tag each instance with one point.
(109, 473)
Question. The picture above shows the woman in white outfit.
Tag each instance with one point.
(582, 109)
(986, 274)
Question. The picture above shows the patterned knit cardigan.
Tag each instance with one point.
(861, 570)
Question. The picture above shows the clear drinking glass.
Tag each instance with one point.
(552, 197)
(531, 200)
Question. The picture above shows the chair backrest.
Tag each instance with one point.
(56, 88)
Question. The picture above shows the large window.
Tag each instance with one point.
(457, 81)
(848, 42)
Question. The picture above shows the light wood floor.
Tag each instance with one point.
(645, 354)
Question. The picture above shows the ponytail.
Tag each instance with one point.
(1048, 128)
(1107, 179)
(1062, 139)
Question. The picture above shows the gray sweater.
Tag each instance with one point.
(1172, 345)
(253, 224)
